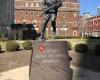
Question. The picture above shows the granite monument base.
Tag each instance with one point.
(49, 61)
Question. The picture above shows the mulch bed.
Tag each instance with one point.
(11, 60)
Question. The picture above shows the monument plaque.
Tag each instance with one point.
(50, 61)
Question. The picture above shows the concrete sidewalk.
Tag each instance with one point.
(23, 74)
(16, 74)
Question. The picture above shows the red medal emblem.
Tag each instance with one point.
(41, 48)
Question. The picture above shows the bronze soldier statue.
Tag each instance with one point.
(50, 9)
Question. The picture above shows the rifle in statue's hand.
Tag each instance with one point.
(53, 6)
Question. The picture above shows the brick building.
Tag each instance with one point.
(94, 26)
(83, 23)
(29, 11)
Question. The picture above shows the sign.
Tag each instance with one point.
(50, 61)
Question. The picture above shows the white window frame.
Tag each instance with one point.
(74, 33)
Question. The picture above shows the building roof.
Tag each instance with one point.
(94, 17)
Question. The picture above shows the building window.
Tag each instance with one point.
(36, 13)
(21, 13)
(34, 4)
(26, 13)
(74, 33)
(26, 4)
(40, 4)
(21, 3)
(24, 21)
(64, 23)
(75, 24)
(31, 4)
(37, 4)
(31, 13)
(75, 14)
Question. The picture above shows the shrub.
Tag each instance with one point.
(68, 37)
(97, 49)
(12, 46)
(4, 39)
(69, 45)
(27, 45)
(82, 48)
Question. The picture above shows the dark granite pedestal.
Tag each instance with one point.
(50, 61)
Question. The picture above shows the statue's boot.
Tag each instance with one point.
(42, 31)
(53, 23)
(41, 37)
